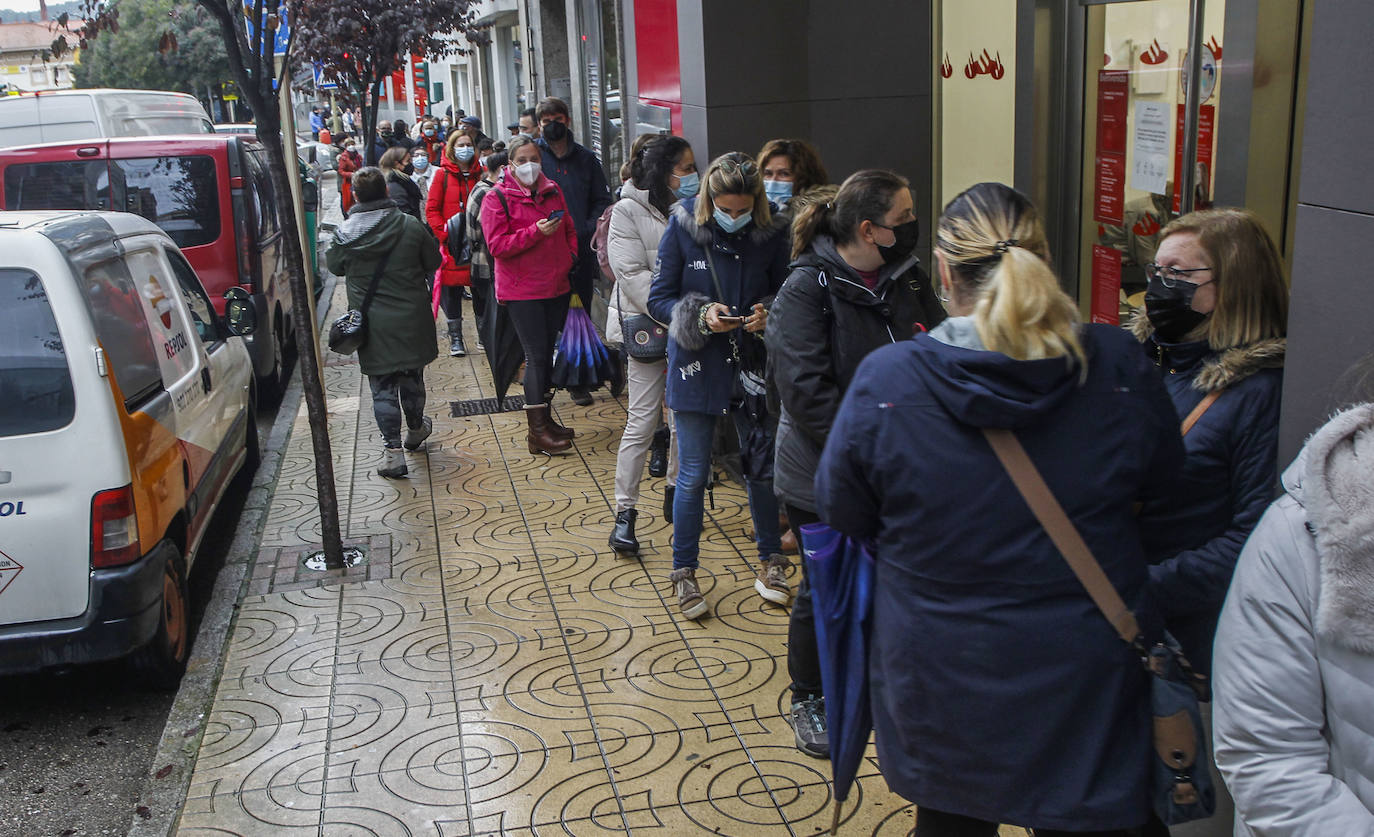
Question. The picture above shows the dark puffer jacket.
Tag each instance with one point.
(1195, 535)
(822, 323)
(999, 690)
(752, 265)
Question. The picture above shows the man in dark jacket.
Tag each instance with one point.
(400, 329)
(579, 175)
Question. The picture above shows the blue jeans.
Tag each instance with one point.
(695, 432)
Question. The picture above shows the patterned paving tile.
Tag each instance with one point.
(512, 675)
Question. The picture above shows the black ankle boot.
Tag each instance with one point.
(668, 492)
(658, 453)
(623, 535)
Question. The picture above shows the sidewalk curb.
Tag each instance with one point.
(164, 789)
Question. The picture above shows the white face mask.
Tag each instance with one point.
(527, 173)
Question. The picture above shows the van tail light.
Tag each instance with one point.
(114, 528)
(243, 236)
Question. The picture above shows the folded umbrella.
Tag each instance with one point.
(501, 345)
(582, 359)
(841, 572)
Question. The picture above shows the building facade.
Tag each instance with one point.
(22, 68)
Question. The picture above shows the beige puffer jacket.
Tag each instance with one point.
(632, 248)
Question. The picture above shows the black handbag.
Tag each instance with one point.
(751, 395)
(646, 340)
(348, 333)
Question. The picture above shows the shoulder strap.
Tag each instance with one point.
(443, 190)
(1062, 532)
(376, 278)
(1207, 401)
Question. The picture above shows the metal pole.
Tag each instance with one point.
(1191, 107)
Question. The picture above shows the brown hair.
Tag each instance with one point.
(369, 184)
(1252, 297)
(392, 157)
(452, 142)
(733, 173)
(808, 171)
(635, 149)
(552, 106)
(991, 237)
(865, 195)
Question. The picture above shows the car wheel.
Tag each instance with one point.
(273, 384)
(163, 660)
(252, 446)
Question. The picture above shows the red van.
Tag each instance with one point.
(210, 192)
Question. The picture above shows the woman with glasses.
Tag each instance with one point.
(722, 258)
(1216, 312)
(662, 172)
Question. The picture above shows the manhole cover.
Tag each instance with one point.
(352, 555)
(487, 406)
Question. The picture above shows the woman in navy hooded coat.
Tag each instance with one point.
(1000, 692)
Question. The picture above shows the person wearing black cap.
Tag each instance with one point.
(514, 128)
(472, 126)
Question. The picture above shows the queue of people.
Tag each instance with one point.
(862, 390)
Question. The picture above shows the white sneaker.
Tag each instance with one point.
(393, 463)
(417, 437)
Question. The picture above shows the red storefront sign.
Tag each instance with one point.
(1106, 307)
(1206, 131)
(1109, 181)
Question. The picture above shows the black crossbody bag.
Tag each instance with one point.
(348, 333)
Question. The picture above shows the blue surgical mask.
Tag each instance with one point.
(778, 191)
(688, 185)
(731, 225)
(421, 163)
(464, 153)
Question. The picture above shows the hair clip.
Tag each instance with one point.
(1004, 246)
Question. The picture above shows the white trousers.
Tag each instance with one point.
(644, 385)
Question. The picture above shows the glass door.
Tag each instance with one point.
(1149, 142)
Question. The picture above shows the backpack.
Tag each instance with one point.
(599, 243)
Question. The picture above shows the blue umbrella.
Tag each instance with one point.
(582, 360)
(841, 573)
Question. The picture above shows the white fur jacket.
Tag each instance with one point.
(1294, 669)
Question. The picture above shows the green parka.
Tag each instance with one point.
(400, 324)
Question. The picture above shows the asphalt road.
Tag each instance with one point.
(75, 745)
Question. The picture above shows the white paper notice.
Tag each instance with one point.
(1150, 157)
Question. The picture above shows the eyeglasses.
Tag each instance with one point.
(748, 168)
(1169, 276)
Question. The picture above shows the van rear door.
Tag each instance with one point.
(48, 475)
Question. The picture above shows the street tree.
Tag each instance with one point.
(361, 49)
(261, 80)
(123, 58)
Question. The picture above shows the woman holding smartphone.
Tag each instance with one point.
(722, 258)
(533, 247)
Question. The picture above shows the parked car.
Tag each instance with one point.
(211, 193)
(64, 115)
(128, 410)
(317, 156)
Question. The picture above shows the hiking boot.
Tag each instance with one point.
(808, 724)
(581, 396)
(455, 345)
(771, 580)
(689, 597)
(658, 453)
(623, 535)
(416, 436)
(541, 438)
(393, 464)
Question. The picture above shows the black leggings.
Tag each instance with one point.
(537, 323)
(932, 823)
(803, 654)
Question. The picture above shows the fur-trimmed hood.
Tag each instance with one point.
(1220, 370)
(1333, 480)
(684, 211)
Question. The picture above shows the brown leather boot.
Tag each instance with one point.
(541, 437)
(559, 430)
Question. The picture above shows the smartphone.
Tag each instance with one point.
(556, 214)
(726, 318)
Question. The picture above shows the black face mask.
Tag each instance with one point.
(409, 169)
(555, 131)
(907, 236)
(1171, 310)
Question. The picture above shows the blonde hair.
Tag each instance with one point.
(995, 245)
(733, 173)
(1252, 297)
(452, 143)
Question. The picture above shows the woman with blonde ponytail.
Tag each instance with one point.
(1000, 693)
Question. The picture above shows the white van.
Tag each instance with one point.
(126, 408)
(103, 112)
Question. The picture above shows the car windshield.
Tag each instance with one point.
(178, 193)
(35, 383)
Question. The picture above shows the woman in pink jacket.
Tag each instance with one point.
(533, 244)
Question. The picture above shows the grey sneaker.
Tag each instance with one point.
(416, 436)
(771, 580)
(689, 596)
(808, 723)
(393, 463)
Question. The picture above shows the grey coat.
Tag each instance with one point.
(1294, 667)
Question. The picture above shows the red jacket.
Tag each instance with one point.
(448, 196)
(529, 264)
